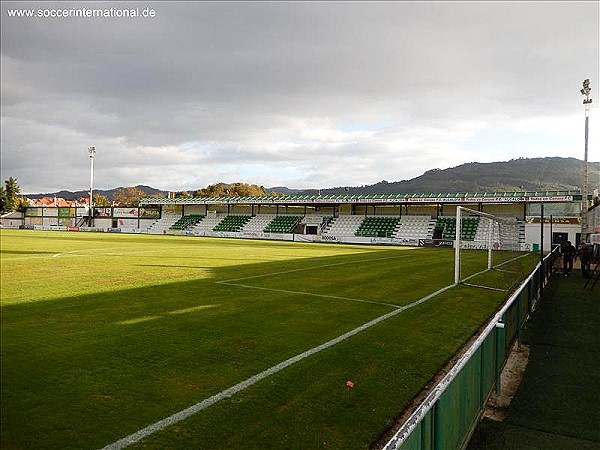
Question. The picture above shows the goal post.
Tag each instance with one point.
(479, 231)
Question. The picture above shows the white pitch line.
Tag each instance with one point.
(309, 268)
(23, 258)
(82, 252)
(185, 413)
(485, 287)
(286, 291)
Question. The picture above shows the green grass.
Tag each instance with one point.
(105, 334)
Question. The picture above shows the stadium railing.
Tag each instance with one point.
(447, 416)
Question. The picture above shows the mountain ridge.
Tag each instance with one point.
(522, 174)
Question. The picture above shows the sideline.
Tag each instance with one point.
(185, 413)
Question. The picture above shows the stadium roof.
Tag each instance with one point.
(328, 199)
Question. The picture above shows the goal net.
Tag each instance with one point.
(485, 243)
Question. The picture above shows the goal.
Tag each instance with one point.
(483, 241)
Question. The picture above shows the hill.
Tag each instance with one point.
(518, 174)
(72, 195)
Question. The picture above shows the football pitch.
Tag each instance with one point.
(179, 342)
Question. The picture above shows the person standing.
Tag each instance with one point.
(585, 257)
(568, 255)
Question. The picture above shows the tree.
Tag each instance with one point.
(130, 196)
(21, 204)
(101, 200)
(235, 189)
(243, 190)
(2, 200)
(8, 196)
(213, 190)
(183, 194)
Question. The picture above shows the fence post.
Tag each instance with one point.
(482, 391)
(435, 416)
(499, 336)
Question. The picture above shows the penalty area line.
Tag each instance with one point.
(185, 413)
(286, 291)
(303, 269)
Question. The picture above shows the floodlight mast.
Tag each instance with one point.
(92, 152)
(584, 194)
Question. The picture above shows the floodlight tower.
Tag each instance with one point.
(584, 194)
(92, 152)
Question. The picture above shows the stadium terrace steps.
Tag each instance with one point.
(415, 227)
(164, 223)
(208, 223)
(343, 225)
(258, 223)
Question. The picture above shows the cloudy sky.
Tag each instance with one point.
(303, 95)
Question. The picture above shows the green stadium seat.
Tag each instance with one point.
(232, 223)
(282, 224)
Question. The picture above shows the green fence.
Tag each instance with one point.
(449, 414)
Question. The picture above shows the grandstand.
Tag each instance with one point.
(401, 230)
(396, 219)
(409, 229)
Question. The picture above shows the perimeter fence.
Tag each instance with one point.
(446, 418)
